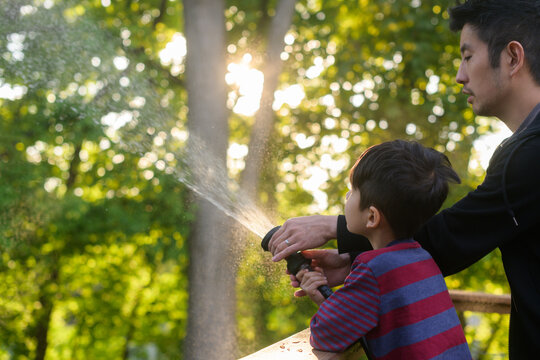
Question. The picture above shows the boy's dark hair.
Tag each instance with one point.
(406, 181)
(499, 22)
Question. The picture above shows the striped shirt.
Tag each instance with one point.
(397, 298)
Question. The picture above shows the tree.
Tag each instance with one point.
(212, 300)
(86, 251)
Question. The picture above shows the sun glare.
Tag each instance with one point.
(292, 96)
(485, 146)
(174, 53)
(249, 83)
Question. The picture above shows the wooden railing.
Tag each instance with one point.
(297, 347)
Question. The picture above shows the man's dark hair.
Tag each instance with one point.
(406, 181)
(499, 22)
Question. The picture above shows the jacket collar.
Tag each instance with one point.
(529, 120)
(529, 126)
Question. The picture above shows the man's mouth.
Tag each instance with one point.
(471, 95)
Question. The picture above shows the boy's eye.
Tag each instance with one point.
(467, 58)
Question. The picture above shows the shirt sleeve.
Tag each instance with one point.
(349, 313)
(480, 222)
(459, 236)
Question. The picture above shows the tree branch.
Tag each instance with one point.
(162, 9)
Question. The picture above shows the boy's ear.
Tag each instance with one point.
(374, 218)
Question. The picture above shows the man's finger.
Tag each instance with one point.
(274, 241)
(283, 250)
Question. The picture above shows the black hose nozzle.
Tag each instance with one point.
(296, 262)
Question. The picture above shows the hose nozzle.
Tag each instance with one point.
(295, 262)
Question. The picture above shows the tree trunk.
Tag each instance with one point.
(46, 297)
(264, 119)
(43, 315)
(212, 302)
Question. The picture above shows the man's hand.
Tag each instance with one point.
(336, 267)
(302, 233)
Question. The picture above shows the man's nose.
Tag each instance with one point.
(461, 77)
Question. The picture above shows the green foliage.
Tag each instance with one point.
(93, 219)
(94, 257)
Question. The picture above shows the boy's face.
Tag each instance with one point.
(356, 218)
(483, 83)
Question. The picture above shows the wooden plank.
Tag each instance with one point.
(480, 302)
(297, 347)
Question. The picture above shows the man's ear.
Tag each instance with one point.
(374, 218)
(514, 57)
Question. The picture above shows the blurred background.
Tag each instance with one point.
(147, 146)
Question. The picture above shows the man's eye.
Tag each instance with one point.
(467, 58)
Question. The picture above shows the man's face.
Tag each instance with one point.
(356, 218)
(480, 81)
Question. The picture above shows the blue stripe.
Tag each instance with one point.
(329, 339)
(392, 260)
(364, 276)
(370, 312)
(320, 342)
(363, 273)
(352, 296)
(411, 334)
(412, 293)
(358, 296)
(328, 317)
(362, 279)
(461, 352)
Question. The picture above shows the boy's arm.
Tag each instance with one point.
(347, 315)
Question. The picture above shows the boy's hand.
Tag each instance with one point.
(336, 267)
(310, 281)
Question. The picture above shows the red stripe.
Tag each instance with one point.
(369, 298)
(369, 255)
(355, 303)
(407, 274)
(430, 347)
(324, 340)
(320, 344)
(363, 271)
(337, 315)
(413, 313)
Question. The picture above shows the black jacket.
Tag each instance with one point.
(503, 212)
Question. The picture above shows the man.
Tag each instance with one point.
(500, 73)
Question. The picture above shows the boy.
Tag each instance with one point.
(395, 295)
